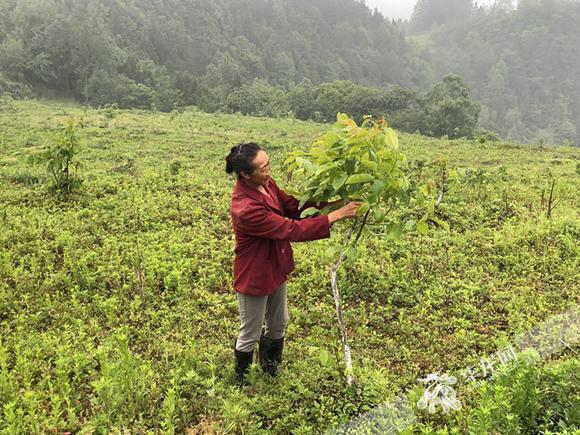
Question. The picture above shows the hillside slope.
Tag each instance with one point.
(117, 307)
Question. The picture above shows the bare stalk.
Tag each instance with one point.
(551, 199)
(336, 294)
(443, 188)
(140, 270)
(140, 277)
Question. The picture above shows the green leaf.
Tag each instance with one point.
(359, 178)
(394, 183)
(337, 183)
(420, 198)
(326, 210)
(380, 140)
(441, 223)
(391, 138)
(324, 168)
(310, 211)
(377, 189)
(309, 166)
(422, 228)
(330, 138)
(350, 165)
(365, 206)
(378, 214)
(373, 166)
(289, 159)
(319, 154)
(303, 199)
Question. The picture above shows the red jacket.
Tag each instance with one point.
(264, 228)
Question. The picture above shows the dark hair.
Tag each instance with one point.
(241, 157)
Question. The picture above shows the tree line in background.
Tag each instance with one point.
(308, 57)
(192, 51)
(445, 110)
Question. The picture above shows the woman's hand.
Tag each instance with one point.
(348, 211)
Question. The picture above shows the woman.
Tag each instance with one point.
(265, 220)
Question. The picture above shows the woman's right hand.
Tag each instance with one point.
(345, 212)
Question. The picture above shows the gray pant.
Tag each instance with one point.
(254, 310)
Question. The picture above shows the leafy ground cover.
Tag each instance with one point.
(117, 312)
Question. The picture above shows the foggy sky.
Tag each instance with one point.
(402, 8)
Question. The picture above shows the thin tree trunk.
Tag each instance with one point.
(443, 189)
(336, 294)
(551, 199)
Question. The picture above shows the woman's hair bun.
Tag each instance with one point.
(229, 166)
(240, 158)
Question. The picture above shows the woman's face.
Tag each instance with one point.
(261, 174)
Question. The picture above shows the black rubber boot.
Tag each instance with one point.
(243, 361)
(270, 354)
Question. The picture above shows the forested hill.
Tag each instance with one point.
(522, 64)
(202, 43)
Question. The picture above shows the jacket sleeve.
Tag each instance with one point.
(258, 221)
(290, 205)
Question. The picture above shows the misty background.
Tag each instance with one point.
(403, 9)
(452, 67)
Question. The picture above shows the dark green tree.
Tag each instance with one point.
(449, 110)
(260, 99)
(301, 99)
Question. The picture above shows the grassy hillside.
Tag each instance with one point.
(117, 312)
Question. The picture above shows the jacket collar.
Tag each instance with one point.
(247, 190)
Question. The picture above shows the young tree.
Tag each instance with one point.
(365, 164)
(60, 160)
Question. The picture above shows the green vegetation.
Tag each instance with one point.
(135, 52)
(117, 312)
(314, 58)
(59, 159)
(361, 163)
(518, 61)
(445, 110)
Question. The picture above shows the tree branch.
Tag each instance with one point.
(361, 227)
